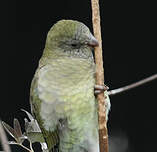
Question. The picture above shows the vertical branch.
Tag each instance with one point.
(103, 135)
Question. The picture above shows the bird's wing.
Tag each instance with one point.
(51, 137)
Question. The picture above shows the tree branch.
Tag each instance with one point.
(4, 140)
(133, 85)
(103, 135)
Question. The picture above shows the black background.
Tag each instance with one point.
(129, 45)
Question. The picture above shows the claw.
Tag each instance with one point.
(99, 89)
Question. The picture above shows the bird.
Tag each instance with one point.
(62, 90)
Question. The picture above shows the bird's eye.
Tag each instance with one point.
(74, 45)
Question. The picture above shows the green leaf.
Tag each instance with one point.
(10, 130)
(28, 114)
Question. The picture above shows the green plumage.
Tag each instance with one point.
(62, 90)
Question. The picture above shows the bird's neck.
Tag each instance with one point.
(51, 55)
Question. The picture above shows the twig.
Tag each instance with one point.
(103, 135)
(30, 145)
(29, 150)
(133, 85)
(4, 140)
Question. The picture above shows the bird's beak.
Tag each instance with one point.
(92, 42)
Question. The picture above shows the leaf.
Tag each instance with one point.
(32, 126)
(17, 128)
(28, 114)
(26, 123)
(10, 130)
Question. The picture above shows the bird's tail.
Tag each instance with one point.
(52, 140)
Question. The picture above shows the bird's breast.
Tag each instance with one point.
(65, 76)
(66, 88)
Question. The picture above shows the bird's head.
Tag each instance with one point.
(71, 38)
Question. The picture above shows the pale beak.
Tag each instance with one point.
(92, 42)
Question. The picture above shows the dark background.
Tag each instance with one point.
(128, 31)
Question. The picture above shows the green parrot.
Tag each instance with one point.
(62, 90)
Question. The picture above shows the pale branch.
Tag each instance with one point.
(4, 140)
(133, 85)
(103, 133)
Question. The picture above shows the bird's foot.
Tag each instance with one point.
(100, 88)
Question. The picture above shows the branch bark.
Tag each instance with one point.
(4, 140)
(133, 85)
(103, 133)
